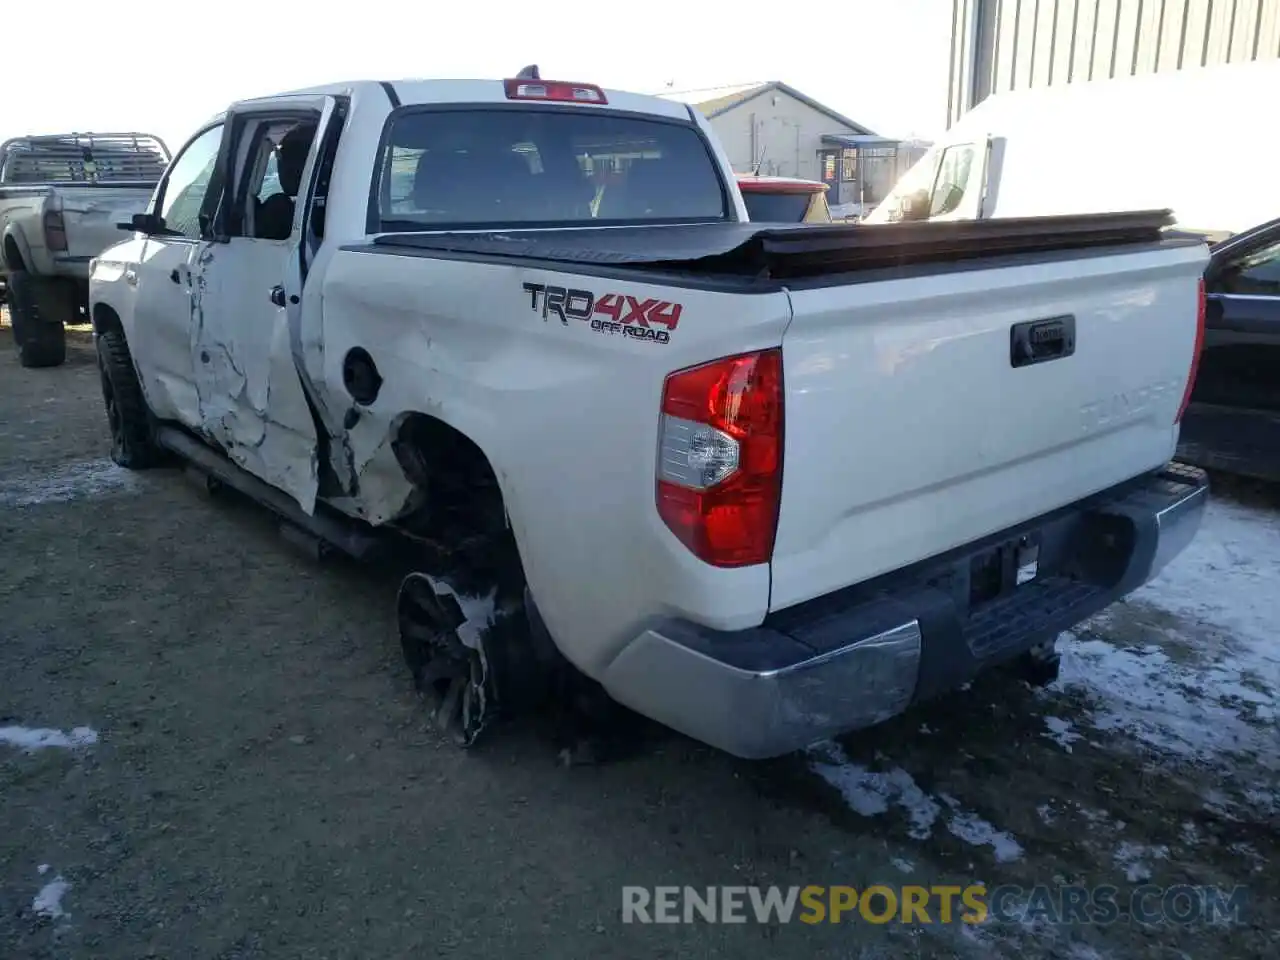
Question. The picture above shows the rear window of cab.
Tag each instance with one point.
(504, 167)
(789, 206)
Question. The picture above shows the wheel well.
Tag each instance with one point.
(105, 319)
(459, 484)
(12, 255)
(460, 505)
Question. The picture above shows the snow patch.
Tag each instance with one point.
(1100, 818)
(1082, 951)
(906, 866)
(1135, 858)
(48, 902)
(1203, 682)
(871, 793)
(83, 480)
(1218, 803)
(977, 832)
(1266, 800)
(994, 934)
(1060, 732)
(1250, 853)
(31, 739)
(1226, 578)
(1186, 709)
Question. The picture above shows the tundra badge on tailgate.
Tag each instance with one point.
(609, 313)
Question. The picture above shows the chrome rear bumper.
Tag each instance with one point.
(860, 656)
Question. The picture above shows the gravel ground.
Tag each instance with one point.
(254, 778)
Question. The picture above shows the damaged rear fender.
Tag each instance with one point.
(396, 459)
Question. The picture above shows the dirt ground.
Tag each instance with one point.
(263, 783)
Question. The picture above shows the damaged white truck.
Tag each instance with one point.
(765, 485)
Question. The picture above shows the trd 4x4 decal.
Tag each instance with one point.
(620, 313)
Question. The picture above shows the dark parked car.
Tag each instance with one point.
(784, 199)
(1233, 421)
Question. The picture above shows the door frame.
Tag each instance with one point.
(236, 158)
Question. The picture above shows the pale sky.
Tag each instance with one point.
(164, 67)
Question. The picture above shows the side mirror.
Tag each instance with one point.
(148, 223)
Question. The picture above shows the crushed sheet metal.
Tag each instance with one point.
(290, 455)
(223, 335)
(362, 456)
(385, 492)
(253, 406)
(478, 609)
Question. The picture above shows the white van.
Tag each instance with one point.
(1202, 142)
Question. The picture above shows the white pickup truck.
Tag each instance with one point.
(765, 485)
(61, 196)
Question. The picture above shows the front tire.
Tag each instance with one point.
(132, 445)
(39, 341)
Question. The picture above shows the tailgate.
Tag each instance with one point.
(91, 215)
(911, 431)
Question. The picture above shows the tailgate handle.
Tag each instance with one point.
(1038, 341)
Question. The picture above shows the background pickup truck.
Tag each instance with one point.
(784, 199)
(764, 484)
(61, 197)
(1233, 422)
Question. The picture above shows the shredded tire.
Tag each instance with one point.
(39, 342)
(132, 445)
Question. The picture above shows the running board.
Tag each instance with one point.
(337, 533)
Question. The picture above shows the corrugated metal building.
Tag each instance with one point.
(999, 45)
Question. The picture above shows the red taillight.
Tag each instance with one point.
(720, 457)
(1195, 357)
(55, 231)
(555, 90)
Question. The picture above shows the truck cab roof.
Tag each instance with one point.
(423, 92)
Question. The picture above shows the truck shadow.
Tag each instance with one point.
(81, 351)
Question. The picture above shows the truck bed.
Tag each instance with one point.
(803, 251)
(89, 213)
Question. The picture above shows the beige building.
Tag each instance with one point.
(775, 130)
